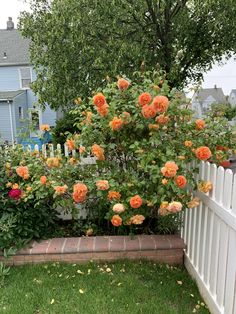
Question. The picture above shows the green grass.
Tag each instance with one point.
(122, 287)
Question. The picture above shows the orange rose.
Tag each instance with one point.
(53, 162)
(70, 144)
(116, 220)
(122, 84)
(103, 110)
(43, 180)
(188, 143)
(170, 169)
(160, 103)
(118, 208)
(200, 124)
(80, 191)
(203, 153)
(99, 100)
(144, 99)
(162, 119)
(181, 181)
(113, 195)
(60, 190)
(23, 172)
(44, 127)
(136, 201)
(73, 161)
(137, 219)
(102, 185)
(148, 111)
(98, 152)
(175, 207)
(153, 126)
(116, 124)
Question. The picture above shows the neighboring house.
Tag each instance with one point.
(205, 97)
(17, 101)
(232, 98)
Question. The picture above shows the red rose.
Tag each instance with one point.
(15, 194)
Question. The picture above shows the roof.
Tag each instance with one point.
(233, 91)
(10, 95)
(204, 93)
(14, 46)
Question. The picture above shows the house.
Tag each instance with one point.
(232, 98)
(205, 97)
(18, 104)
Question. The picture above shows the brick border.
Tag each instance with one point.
(161, 248)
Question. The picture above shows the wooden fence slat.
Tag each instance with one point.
(233, 204)
(230, 283)
(220, 185)
(227, 192)
(213, 176)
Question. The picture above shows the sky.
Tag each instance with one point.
(221, 76)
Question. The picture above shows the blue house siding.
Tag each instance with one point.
(9, 78)
(20, 124)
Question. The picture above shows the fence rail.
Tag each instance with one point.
(210, 234)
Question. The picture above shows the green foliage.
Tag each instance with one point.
(75, 44)
(225, 110)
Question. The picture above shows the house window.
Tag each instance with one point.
(21, 113)
(25, 77)
(34, 117)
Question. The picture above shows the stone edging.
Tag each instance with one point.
(161, 248)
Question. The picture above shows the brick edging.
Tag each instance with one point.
(163, 248)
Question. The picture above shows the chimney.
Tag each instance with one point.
(10, 24)
(215, 86)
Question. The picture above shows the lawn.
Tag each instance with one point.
(119, 287)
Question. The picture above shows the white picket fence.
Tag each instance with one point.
(209, 232)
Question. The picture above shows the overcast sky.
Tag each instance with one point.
(224, 76)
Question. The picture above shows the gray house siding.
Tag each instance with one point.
(9, 78)
(5, 121)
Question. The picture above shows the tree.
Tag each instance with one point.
(75, 44)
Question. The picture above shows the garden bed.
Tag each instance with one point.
(161, 248)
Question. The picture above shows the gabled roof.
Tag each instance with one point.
(204, 93)
(14, 47)
(233, 91)
(10, 95)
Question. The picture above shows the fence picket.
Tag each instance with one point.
(227, 192)
(219, 185)
(233, 205)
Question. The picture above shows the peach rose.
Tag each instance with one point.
(175, 207)
(164, 181)
(44, 127)
(194, 203)
(137, 219)
(188, 143)
(118, 208)
(116, 220)
(99, 100)
(200, 124)
(113, 195)
(15, 186)
(103, 110)
(102, 185)
(60, 190)
(98, 152)
(160, 103)
(78, 101)
(116, 124)
(153, 126)
(162, 119)
(23, 172)
(70, 144)
(148, 111)
(136, 201)
(170, 169)
(43, 180)
(163, 210)
(122, 84)
(82, 149)
(203, 153)
(80, 191)
(144, 99)
(205, 186)
(53, 162)
(181, 181)
(73, 161)
(9, 184)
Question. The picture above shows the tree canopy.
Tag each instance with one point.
(76, 44)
